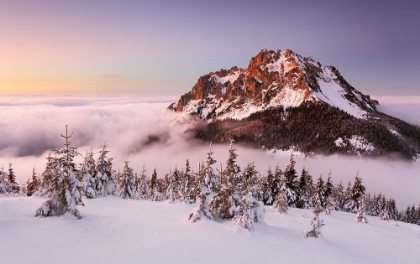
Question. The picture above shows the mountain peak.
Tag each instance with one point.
(273, 78)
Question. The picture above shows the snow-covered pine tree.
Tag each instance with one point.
(306, 188)
(250, 181)
(267, 188)
(223, 204)
(329, 186)
(65, 189)
(289, 187)
(348, 202)
(33, 184)
(88, 173)
(232, 169)
(155, 186)
(202, 208)
(249, 212)
(211, 180)
(157, 189)
(392, 209)
(106, 183)
(227, 199)
(126, 182)
(188, 194)
(143, 189)
(153, 179)
(319, 192)
(316, 224)
(360, 217)
(281, 203)
(13, 187)
(356, 195)
(47, 176)
(172, 192)
(338, 197)
(3, 181)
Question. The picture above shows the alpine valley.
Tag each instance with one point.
(283, 100)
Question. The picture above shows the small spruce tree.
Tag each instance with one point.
(33, 184)
(316, 223)
(65, 189)
(126, 182)
(13, 186)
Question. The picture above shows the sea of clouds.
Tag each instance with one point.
(142, 131)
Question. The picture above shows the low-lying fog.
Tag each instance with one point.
(32, 126)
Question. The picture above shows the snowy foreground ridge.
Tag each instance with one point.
(114, 230)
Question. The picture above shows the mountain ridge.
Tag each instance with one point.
(283, 100)
(272, 78)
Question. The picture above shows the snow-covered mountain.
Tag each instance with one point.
(273, 78)
(283, 100)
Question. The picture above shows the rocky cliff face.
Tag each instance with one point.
(273, 78)
(283, 100)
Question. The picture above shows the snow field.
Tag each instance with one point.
(114, 230)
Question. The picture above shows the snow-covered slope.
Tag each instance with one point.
(273, 78)
(131, 231)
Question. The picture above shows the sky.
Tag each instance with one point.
(163, 47)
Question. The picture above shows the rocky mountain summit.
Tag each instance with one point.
(283, 100)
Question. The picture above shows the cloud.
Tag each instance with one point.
(140, 130)
(403, 107)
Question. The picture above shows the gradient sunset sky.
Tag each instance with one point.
(162, 47)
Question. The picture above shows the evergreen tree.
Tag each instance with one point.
(12, 185)
(290, 185)
(316, 223)
(202, 208)
(329, 186)
(143, 189)
(338, 197)
(106, 183)
(225, 202)
(65, 189)
(348, 202)
(319, 192)
(172, 193)
(33, 185)
(249, 181)
(48, 176)
(188, 195)
(3, 182)
(356, 195)
(88, 172)
(157, 191)
(232, 169)
(153, 179)
(281, 203)
(267, 188)
(126, 182)
(211, 179)
(249, 212)
(360, 217)
(306, 188)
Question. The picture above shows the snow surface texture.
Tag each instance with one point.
(114, 230)
(360, 144)
(330, 92)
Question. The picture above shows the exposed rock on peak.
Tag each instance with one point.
(284, 100)
(273, 78)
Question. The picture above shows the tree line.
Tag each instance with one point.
(230, 193)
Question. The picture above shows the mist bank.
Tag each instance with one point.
(141, 130)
